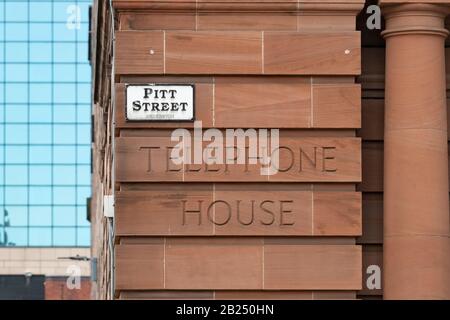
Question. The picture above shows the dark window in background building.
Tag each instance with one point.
(21, 287)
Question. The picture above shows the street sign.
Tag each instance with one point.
(159, 102)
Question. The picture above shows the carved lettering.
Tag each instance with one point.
(149, 156)
(315, 159)
(198, 212)
(212, 216)
(284, 211)
(328, 157)
(311, 159)
(245, 213)
(170, 166)
(252, 215)
(268, 211)
(288, 155)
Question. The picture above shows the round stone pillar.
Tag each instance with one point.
(416, 247)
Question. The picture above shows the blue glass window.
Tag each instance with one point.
(82, 51)
(65, 113)
(16, 113)
(16, 133)
(64, 236)
(16, 175)
(64, 216)
(18, 216)
(64, 52)
(16, 52)
(64, 175)
(40, 195)
(62, 33)
(45, 115)
(64, 72)
(40, 52)
(82, 216)
(83, 72)
(16, 72)
(41, 174)
(41, 72)
(17, 236)
(41, 236)
(41, 113)
(40, 154)
(83, 153)
(83, 134)
(16, 11)
(83, 193)
(41, 11)
(2, 87)
(40, 134)
(84, 174)
(83, 113)
(64, 133)
(40, 32)
(41, 92)
(64, 195)
(62, 11)
(64, 92)
(84, 93)
(83, 236)
(16, 155)
(40, 216)
(16, 195)
(16, 31)
(16, 93)
(64, 154)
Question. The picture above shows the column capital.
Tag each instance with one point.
(415, 17)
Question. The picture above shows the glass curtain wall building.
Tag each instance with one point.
(45, 119)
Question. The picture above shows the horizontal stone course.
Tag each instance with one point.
(236, 264)
(238, 52)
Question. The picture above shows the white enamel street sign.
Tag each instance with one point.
(159, 102)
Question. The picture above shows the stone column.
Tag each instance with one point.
(416, 187)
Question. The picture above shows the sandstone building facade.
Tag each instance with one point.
(360, 205)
